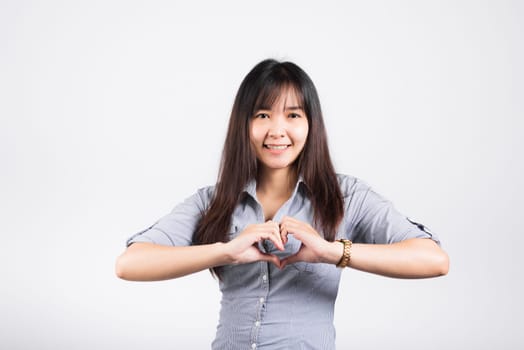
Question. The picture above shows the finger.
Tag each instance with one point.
(289, 228)
(272, 258)
(268, 230)
(274, 236)
(290, 260)
(276, 239)
(283, 233)
(291, 225)
(300, 225)
(290, 219)
(301, 230)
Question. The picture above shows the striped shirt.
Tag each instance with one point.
(263, 307)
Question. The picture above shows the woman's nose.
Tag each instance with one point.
(277, 129)
(276, 132)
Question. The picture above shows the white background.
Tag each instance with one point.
(112, 112)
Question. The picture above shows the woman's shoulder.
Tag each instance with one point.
(206, 193)
(351, 185)
(200, 199)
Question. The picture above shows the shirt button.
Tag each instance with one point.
(253, 346)
(261, 300)
(264, 278)
(257, 323)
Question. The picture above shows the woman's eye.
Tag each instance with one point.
(294, 115)
(262, 116)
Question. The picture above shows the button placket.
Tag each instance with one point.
(262, 300)
(264, 286)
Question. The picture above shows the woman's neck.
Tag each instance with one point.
(276, 183)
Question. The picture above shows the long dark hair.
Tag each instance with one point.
(260, 89)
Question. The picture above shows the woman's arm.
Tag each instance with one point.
(153, 262)
(412, 258)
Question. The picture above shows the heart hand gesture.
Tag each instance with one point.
(314, 248)
(243, 249)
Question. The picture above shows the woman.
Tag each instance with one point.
(279, 222)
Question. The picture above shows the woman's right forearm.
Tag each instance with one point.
(153, 262)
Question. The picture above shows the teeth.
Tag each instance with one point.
(277, 147)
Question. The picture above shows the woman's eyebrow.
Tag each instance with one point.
(292, 108)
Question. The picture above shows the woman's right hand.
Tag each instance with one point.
(243, 249)
(153, 262)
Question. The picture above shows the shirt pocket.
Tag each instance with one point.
(292, 247)
(312, 268)
(307, 268)
(234, 230)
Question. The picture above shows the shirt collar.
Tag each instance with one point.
(251, 187)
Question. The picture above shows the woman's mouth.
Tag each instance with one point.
(276, 147)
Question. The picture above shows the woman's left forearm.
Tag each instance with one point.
(412, 258)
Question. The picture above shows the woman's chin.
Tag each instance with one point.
(277, 165)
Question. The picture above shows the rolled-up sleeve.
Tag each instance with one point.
(178, 227)
(378, 221)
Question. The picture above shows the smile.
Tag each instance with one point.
(277, 147)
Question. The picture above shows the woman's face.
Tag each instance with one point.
(279, 134)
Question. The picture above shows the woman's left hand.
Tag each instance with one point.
(412, 258)
(314, 247)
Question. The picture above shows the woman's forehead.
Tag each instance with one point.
(288, 99)
(284, 97)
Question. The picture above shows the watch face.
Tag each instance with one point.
(421, 227)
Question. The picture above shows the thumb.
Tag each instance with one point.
(290, 260)
(272, 258)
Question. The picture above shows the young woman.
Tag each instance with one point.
(280, 225)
